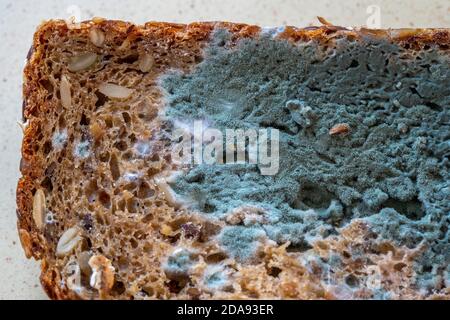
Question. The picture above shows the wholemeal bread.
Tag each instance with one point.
(358, 208)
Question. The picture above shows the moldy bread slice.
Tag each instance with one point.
(359, 207)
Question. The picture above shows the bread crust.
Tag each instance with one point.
(34, 102)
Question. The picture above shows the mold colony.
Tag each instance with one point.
(390, 168)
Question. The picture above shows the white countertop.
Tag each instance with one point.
(19, 18)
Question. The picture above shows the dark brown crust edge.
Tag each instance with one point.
(31, 238)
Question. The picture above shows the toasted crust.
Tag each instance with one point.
(35, 103)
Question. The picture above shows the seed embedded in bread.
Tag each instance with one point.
(168, 193)
(73, 281)
(39, 208)
(146, 62)
(68, 241)
(112, 90)
(25, 241)
(96, 130)
(82, 61)
(340, 128)
(98, 19)
(125, 45)
(102, 277)
(97, 37)
(83, 261)
(66, 95)
(166, 230)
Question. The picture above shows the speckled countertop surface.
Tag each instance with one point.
(19, 276)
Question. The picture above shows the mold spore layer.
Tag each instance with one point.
(390, 169)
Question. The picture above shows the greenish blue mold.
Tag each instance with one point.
(392, 169)
(241, 241)
(59, 139)
(216, 277)
(82, 149)
(373, 198)
(178, 264)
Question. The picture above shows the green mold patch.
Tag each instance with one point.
(390, 168)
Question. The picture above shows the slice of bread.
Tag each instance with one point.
(358, 206)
